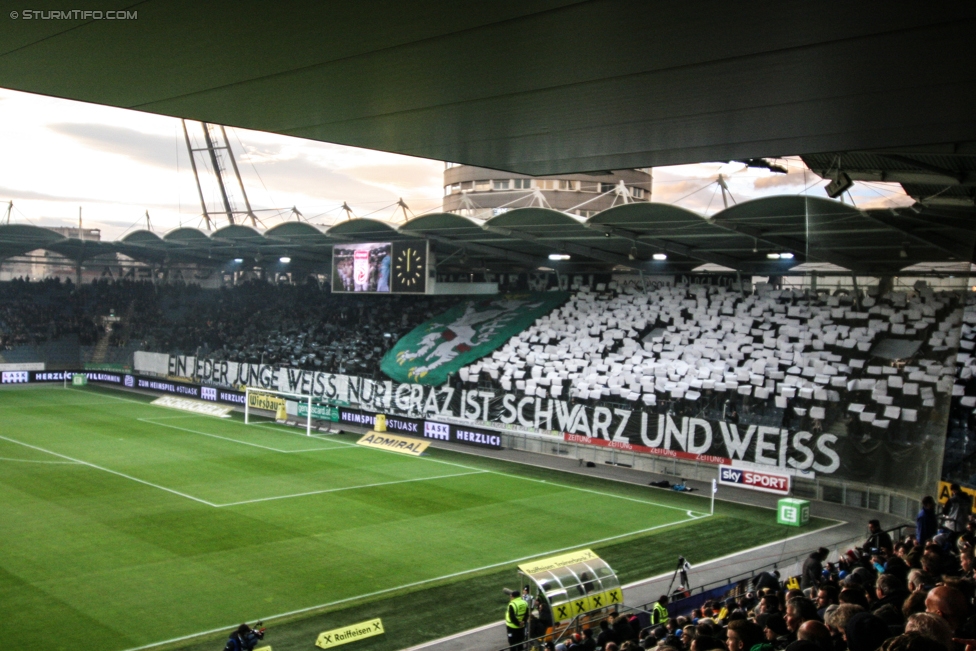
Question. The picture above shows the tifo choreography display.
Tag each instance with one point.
(852, 385)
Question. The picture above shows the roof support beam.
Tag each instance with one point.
(569, 247)
(959, 176)
(665, 245)
(512, 256)
(796, 246)
(960, 249)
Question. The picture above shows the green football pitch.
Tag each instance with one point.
(124, 524)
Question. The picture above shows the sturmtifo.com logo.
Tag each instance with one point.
(73, 14)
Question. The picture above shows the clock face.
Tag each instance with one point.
(410, 268)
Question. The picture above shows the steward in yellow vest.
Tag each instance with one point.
(516, 614)
(659, 616)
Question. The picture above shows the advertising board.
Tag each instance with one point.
(767, 482)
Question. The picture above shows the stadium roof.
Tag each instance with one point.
(542, 88)
(741, 238)
(937, 177)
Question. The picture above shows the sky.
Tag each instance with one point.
(117, 164)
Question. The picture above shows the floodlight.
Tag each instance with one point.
(284, 260)
(559, 256)
(660, 256)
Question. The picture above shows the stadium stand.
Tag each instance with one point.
(960, 454)
(881, 592)
(287, 325)
(884, 591)
(775, 357)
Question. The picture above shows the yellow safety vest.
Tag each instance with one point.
(660, 616)
(521, 608)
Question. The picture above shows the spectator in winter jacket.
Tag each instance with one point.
(812, 572)
(926, 522)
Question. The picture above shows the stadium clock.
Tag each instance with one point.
(410, 267)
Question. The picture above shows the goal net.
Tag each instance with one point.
(297, 408)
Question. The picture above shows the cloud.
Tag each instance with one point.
(139, 147)
(15, 195)
(410, 176)
(675, 190)
(301, 176)
(792, 180)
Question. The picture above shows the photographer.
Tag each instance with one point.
(244, 638)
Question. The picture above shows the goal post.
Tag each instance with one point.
(271, 399)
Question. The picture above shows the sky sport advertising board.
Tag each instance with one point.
(767, 482)
(380, 267)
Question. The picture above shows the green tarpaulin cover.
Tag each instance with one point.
(464, 334)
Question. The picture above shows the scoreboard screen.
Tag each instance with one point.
(380, 267)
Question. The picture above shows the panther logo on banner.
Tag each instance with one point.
(463, 334)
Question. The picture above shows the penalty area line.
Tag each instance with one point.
(113, 472)
(348, 488)
(63, 463)
(414, 584)
(152, 421)
(514, 476)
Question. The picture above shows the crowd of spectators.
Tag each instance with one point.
(298, 326)
(796, 359)
(960, 459)
(867, 365)
(910, 594)
(33, 313)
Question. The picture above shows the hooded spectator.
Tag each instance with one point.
(865, 632)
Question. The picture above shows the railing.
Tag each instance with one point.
(840, 547)
(848, 493)
(682, 606)
(560, 632)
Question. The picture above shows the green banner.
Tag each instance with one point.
(464, 334)
(319, 412)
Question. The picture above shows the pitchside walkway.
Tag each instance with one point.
(851, 525)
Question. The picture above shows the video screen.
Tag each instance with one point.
(362, 267)
(381, 267)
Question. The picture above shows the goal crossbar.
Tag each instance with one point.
(300, 397)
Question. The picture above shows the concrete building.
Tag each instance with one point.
(484, 193)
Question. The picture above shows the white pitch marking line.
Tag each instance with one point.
(414, 584)
(59, 404)
(457, 465)
(225, 438)
(65, 463)
(505, 474)
(650, 579)
(113, 472)
(348, 488)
